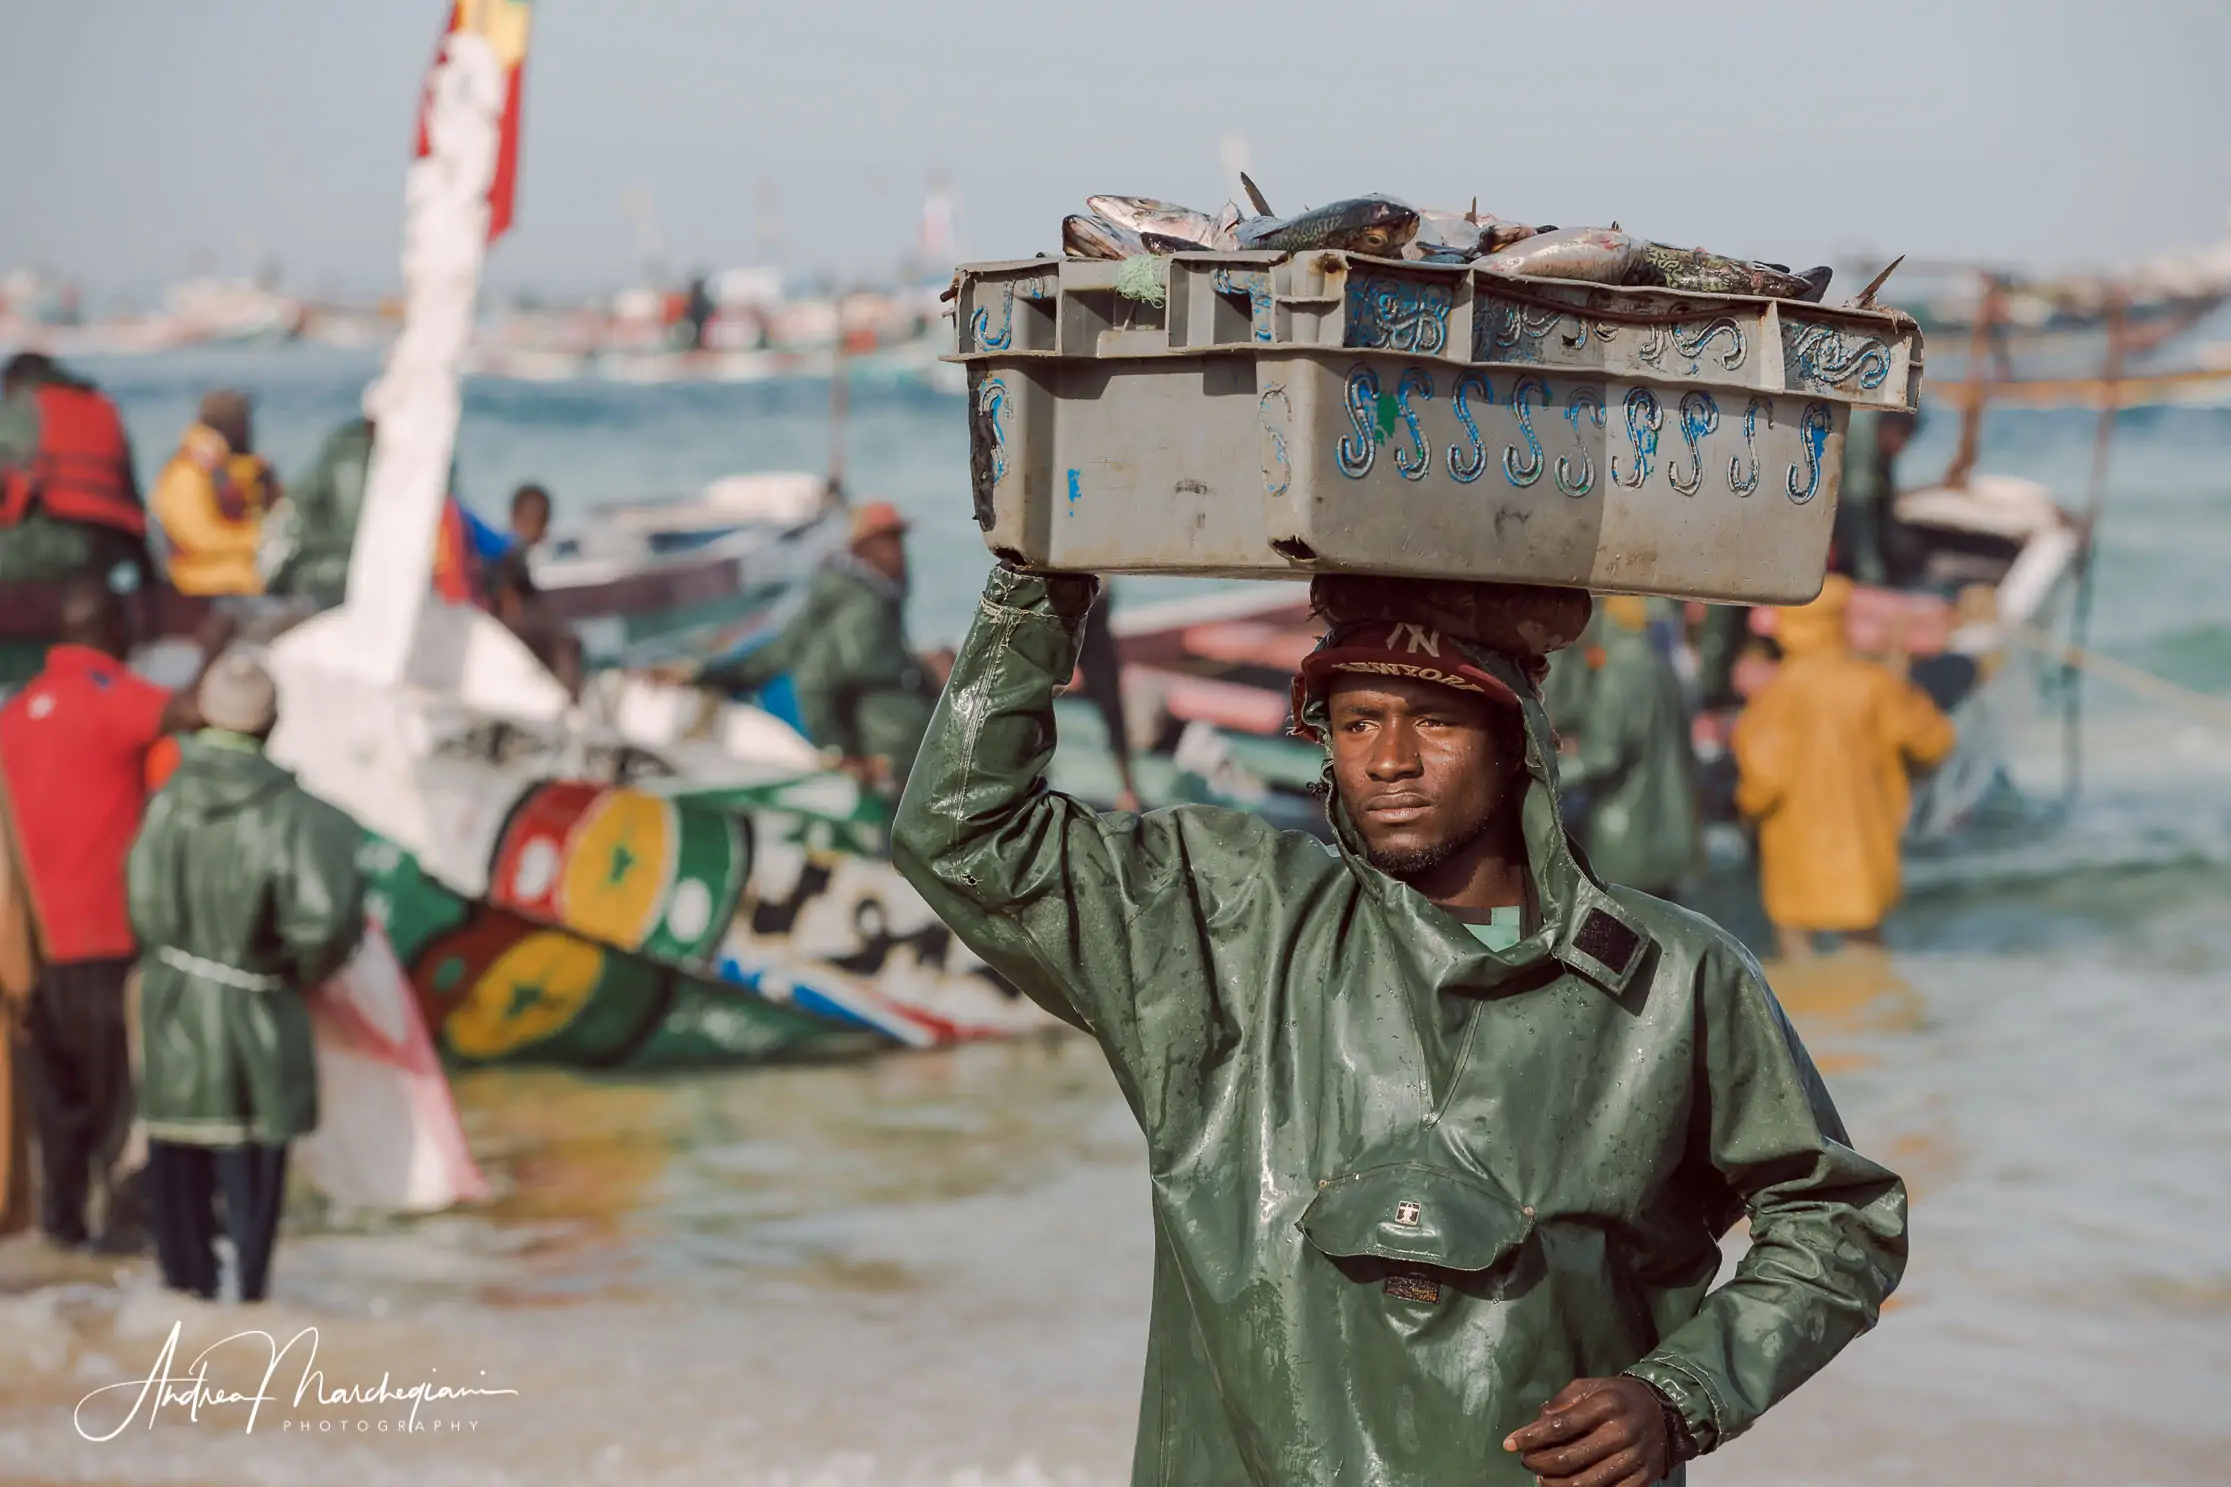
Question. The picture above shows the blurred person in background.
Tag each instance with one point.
(74, 747)
(1870, 544)
(1630, 751)
(863, 693)
(1824, 754)
(313, 530)
(1100, 682)
(227, 1077)
(70, 502)
(211, 498)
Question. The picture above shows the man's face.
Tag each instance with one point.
(530, 520)
(1423, 769)
(885, 552)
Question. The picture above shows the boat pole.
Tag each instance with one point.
(840, 406)
(2073, 659)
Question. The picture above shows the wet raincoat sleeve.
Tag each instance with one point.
(1092, 916)
(1827, 1226)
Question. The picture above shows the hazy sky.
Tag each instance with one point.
(139, 138)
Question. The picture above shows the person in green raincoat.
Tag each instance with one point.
(244, 894)
(863, 694)
(312, 531)
(1633, 756)
(1443, 1131)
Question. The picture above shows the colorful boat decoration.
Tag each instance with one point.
(642, 927)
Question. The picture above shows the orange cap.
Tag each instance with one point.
(877, 518)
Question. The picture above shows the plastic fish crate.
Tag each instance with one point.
(1279, 415)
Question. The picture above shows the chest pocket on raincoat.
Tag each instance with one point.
(1408, 1218)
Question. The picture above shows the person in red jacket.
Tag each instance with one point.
(69, 503)
(74, 747)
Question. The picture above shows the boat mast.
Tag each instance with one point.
(468, 121)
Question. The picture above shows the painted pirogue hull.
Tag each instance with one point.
(639, 928)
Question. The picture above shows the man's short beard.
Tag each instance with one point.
(1417, 861)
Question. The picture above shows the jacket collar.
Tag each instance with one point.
(1583, 926)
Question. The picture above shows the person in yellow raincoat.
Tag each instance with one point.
(210, 501)
(1823, 755)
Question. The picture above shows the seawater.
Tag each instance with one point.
(932, 1268)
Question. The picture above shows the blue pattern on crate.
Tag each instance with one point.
(1398, 315)
(1279, 484)
(1414, 462)
(1825, 357)
(1700, 419)
(993, 413)
(1742, 483)
(1584, 402)
(1644, 419)
(1466, 466)
(1692, 341)
(1530, 470)
(1357, 450)
(979, 324)
(1812, 431)
(1254, 287)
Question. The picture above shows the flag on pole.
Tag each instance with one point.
(503, 24)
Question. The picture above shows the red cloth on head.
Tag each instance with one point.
(1393, 648)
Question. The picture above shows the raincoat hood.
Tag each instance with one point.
(221, 774)
(1816, 629)
(1581, 924)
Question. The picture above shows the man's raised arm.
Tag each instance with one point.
(1076, 909)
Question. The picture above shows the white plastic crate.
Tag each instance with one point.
(1282, 415)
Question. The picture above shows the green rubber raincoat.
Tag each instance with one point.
(318, 517)
(1405, 1188)
(244, 892)
(1637, 765)
(861, 689)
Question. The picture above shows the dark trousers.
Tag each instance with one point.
(182, 1184)
(81, 1088)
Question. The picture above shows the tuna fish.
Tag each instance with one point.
(1361, 224)
(1711, 273)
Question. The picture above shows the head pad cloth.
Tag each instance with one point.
(1427, 629)
(237, 694)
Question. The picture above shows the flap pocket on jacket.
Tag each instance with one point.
(1411, 1212)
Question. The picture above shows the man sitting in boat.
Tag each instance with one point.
(1443, 1131)
(210, 500)
(863, 693)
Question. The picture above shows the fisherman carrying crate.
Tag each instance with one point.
(1443, 1130)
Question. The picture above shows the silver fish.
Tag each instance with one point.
(1593, 255)
(1361, 224)
(1224, 239)
(1096, 237)
(1143, 214)
(1162, 242)
(1441, 233)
